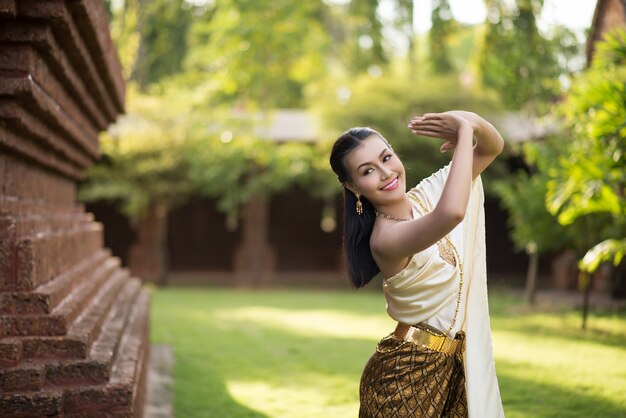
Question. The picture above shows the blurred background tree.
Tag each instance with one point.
(534, 229)
(588, 182)
(521, 63)
(145, 173)
(442, 27)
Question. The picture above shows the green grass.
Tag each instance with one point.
(301, 353)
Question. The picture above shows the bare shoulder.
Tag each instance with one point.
(382, 235)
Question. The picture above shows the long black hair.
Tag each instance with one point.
(357, 229)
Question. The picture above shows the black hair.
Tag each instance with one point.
(357, 229)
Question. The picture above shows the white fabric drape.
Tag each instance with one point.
(426, 290)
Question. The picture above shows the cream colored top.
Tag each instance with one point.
(426, 290)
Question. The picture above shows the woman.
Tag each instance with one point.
(428, 248)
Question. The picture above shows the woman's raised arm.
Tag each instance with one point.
(399, 240)
(489, 142)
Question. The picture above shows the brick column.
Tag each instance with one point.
(254, 257)
(73, 323)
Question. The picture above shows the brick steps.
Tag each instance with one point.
(47, 296)
(74, 344)
(32, 261)
(11, 351)
(56, 323)
(85, 276)
(94, 368)
(121, 395)
(124, 394)
(32, 404)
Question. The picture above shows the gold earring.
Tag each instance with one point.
(359, 205)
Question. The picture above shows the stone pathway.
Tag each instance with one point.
(160, 390)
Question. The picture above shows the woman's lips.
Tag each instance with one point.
(391, 185)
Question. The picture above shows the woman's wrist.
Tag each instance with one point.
(473, 118)
(466, 131)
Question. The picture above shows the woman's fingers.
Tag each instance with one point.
(436, 125)
(429, 126)
(432, 134)
(427, 122)
(446, 146)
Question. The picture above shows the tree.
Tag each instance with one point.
(151, 37)
(145, 173)
(442, 27)
(533, 228)
(256, 54)
(366, 40)
(517, 60)
(163, 26)
(404, 23)
(589, 180)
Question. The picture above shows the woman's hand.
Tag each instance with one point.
(447, 126)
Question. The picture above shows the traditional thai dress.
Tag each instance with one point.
(408, 380)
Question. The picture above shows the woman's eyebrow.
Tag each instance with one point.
(369, 162)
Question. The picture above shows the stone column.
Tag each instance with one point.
(73, 323)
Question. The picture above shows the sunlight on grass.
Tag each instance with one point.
(599, 370)
(317, 395)
(301, 353)
(310, 323)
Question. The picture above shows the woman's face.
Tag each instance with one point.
(375, 171)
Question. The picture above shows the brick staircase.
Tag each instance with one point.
(74, 324)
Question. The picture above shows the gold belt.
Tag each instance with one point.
(430, 339)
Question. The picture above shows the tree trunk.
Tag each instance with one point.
(586, 283)
(531, 278)
(412, 53)
(148, 255)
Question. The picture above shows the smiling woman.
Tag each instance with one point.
(427, 247)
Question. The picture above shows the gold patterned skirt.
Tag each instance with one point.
(405, 379)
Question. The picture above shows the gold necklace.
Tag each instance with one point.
(445, 253)
(393, 218)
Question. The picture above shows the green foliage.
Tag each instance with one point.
(388, 102)
(607, 250)
(589, 180)
(124, 32)
(163, 26)
(151, 37)
(143, 157)
(257, 53)
(442, 27)
(245, 167)
(517, 60)
(365, 42)
(533, 228)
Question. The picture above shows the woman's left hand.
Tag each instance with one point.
(450, 143)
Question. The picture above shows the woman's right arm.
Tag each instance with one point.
(455, 195)
(400, 240)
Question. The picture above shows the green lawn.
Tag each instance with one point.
(300, 353)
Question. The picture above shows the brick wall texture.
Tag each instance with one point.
(74, 324)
